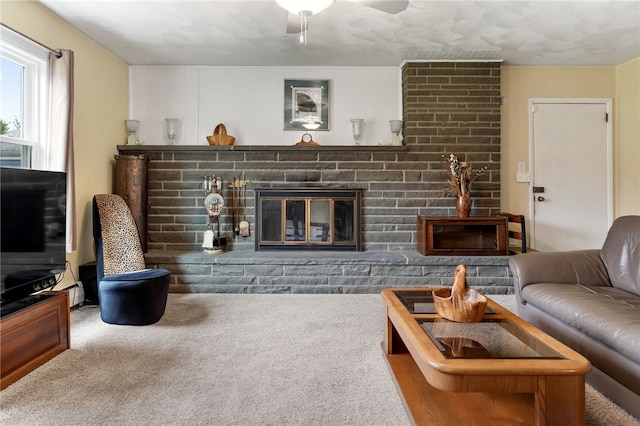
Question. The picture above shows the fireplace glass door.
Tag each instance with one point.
(308, 220)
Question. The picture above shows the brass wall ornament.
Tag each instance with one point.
(212, 243)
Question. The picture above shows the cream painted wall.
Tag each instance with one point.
(626, 152)
(521, 83)
(101, 106)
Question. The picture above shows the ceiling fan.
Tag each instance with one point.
(301, 10)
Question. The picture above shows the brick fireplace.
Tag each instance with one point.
(448, 108)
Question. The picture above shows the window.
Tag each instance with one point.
(24, 87)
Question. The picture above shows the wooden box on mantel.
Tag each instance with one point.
(453, 236)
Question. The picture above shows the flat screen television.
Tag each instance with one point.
(32, 230)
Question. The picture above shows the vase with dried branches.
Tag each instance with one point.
(460, 180)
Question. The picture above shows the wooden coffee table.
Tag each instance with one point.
(500, 371)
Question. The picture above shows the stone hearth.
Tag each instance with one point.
(326, 272)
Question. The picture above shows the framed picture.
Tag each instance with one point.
(306, 105)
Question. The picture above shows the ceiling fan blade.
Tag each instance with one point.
(293, 23)
(390, 6)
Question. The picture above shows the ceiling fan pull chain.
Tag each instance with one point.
(302, 37)
(304, 25)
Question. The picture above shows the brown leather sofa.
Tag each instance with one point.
(590, 301)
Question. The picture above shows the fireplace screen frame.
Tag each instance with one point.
(274, 201)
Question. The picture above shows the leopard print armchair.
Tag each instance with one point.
(128, 292)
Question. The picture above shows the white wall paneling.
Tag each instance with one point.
(157, 93)
(250, 102)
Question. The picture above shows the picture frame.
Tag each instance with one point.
(306, 105)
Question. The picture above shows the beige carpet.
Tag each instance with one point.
(217, 359)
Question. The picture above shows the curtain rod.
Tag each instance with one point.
(57, 52)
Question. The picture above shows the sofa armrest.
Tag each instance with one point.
(569, 267)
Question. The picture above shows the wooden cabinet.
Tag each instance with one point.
(33, 335)
(475, 236)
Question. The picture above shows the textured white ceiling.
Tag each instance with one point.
(238, 32)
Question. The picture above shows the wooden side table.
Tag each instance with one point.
(453, 236)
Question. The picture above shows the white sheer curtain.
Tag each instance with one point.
(60, 152)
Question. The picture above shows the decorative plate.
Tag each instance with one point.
(214, 203)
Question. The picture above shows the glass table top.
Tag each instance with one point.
(495, 337)
(490, 338)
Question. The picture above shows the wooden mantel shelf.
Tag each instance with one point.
(258, 148)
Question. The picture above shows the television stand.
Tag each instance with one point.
(31, 336)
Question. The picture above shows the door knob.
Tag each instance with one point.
(540, 198)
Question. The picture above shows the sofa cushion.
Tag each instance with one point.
(607, 314)
(621, 254)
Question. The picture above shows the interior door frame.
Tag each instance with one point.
(608, 103)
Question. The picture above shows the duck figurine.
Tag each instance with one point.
(460, 303)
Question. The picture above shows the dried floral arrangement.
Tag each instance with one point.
(460, 175)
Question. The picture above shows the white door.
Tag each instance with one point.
(571, 187)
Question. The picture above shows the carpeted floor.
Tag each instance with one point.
(218, 359)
